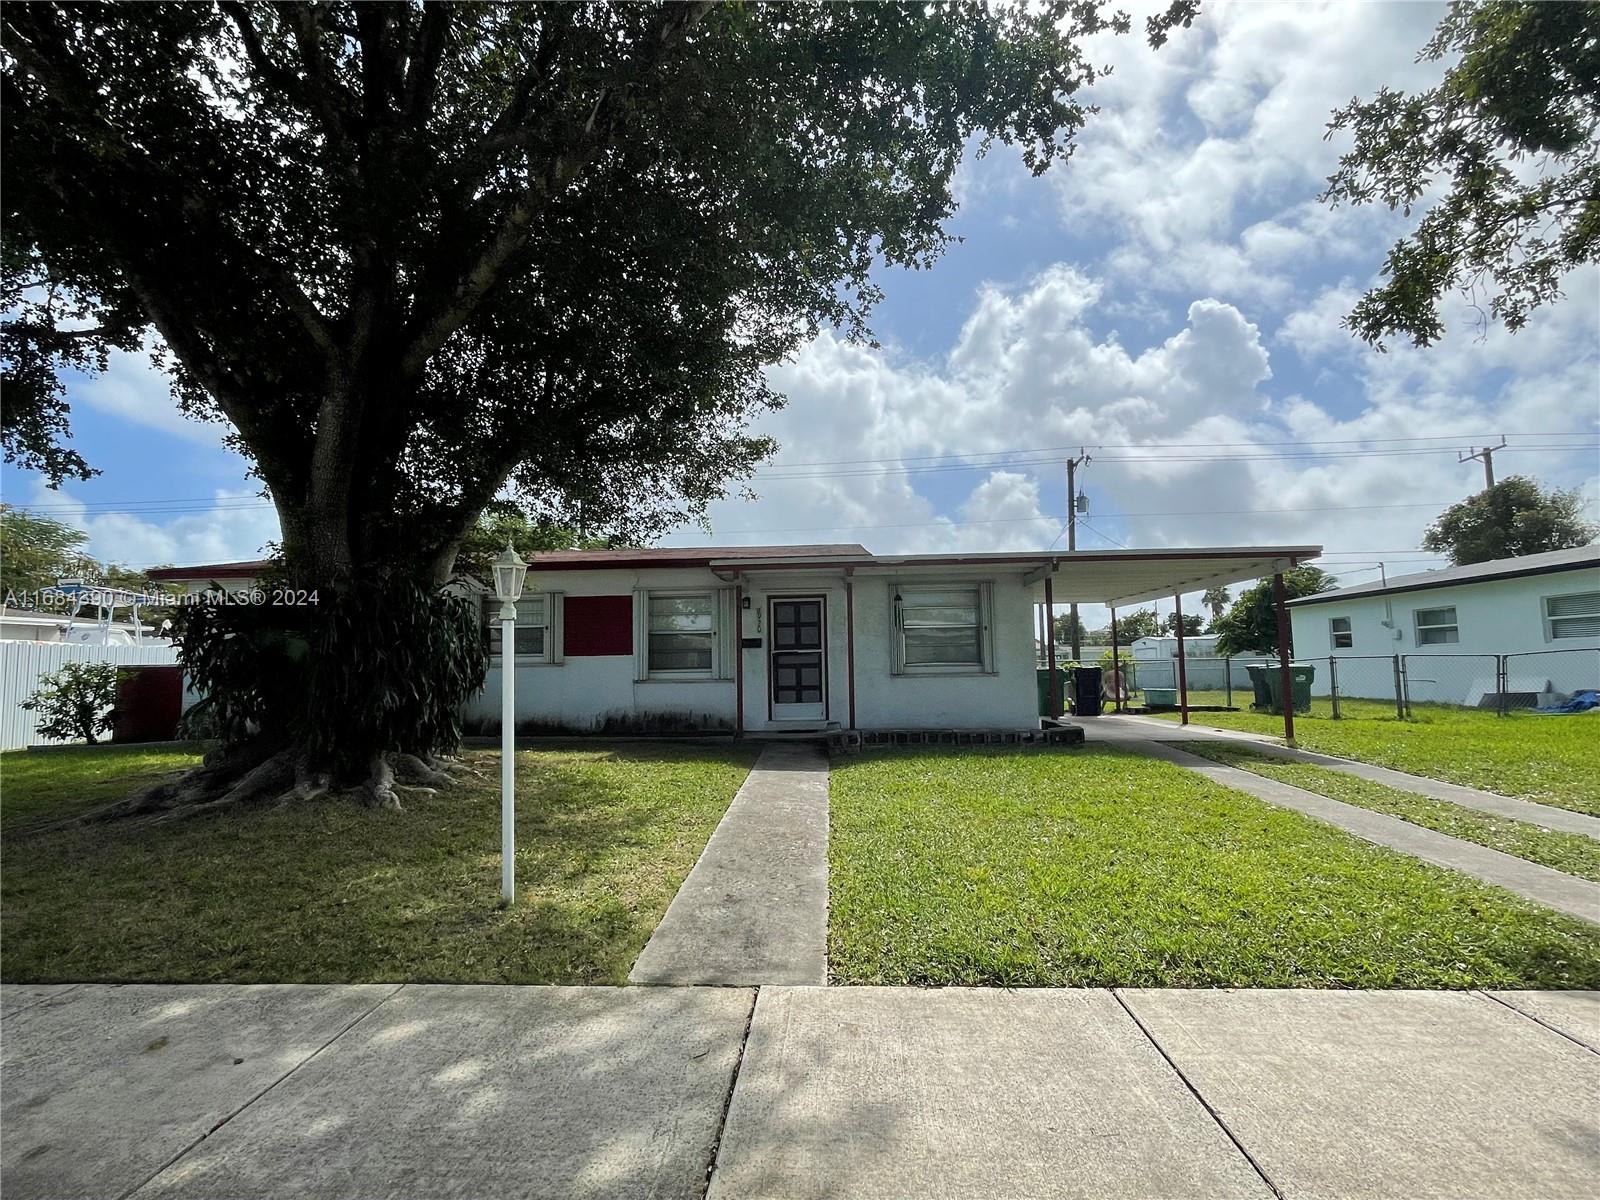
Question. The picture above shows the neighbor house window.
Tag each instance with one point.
(941, 628)
(532, 631)
(1339, 633)
(682, 632)
(1436, 626)
(1574, 616)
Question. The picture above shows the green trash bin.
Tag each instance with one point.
(1258, 682)
(1041, 677)
(1269, 679)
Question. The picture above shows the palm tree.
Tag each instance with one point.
(1216, 599)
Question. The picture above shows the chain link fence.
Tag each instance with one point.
(1356, 687)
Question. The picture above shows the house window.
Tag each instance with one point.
(941, 628)
(1436, 626)
(532, 630)
(682, 633)
(1574, 616)
(1339, 633)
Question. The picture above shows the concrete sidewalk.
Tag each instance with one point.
(426, 1091)
(1544, 815)
(754, 909)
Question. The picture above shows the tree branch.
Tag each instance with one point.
(423, 75)
(604, 121)
(72, 91)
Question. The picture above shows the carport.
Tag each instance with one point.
(1124, 577)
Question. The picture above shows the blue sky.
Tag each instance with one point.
(1175, 284)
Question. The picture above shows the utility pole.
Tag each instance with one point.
(1072, 538)
(1487, 455)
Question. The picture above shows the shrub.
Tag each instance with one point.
(75, 702)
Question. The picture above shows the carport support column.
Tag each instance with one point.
(1116, 664)
(850, 639)
(1285, 675)
(1050, 641)
(1183, 667)
(738, 656)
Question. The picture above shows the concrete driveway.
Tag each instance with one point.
(425, 1091)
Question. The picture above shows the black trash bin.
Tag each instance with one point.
(1086, 699)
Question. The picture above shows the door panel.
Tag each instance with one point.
(798, 667)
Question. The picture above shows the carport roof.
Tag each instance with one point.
(1077, 576)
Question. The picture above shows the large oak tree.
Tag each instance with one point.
(421, 255)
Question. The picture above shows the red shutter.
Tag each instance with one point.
(597, 625)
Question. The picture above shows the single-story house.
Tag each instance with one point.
(771, 639)
(1543, 610)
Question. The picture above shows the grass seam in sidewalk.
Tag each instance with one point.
(1571, 853)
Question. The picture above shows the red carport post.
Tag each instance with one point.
(1183, 668)
(1116, 664)
(1050, 641)
(850, 637)
(738, 656)
(1285, 675)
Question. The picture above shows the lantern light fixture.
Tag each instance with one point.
(509, 571)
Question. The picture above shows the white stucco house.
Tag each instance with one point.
(771, 639)
(795, 639)
(1543, 610)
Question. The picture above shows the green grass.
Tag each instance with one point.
(332, 892)
(1094, 867)
(1547, 759)
(1570, 852)
(42, 785)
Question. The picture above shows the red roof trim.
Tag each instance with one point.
(233, 570)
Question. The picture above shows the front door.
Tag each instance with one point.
(798, 666)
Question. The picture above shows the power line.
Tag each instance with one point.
(1457, 437)
(940, 468)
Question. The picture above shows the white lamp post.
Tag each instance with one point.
(509, 570)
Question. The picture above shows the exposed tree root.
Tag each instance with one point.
(408, 768)
(378, 790)
(308, 785)
(265, 773)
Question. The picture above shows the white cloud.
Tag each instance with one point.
(133, 389)
(1208, 154)
(1025, 372)
(236, 527)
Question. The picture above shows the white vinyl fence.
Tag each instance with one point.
(22, 664)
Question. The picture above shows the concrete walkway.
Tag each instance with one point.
(421, 1092)
(1579, 897)
(754, 909)
(1544, 815)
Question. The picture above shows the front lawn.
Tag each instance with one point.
(1570, 852)
(1548, 759)
(1097, 867)
(331, 892)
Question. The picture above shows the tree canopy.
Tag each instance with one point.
(1141, 622)
(1193, 623)
(1512, 518)
(412, 253)
(421, 255)
(1251, 625)
(1503, 152)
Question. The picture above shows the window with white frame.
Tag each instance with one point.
(1436, 626)
(532, 631)
(1572, 616)
(682, 633)
(1340, 634)
(941, 627)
